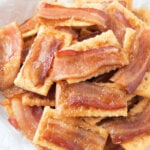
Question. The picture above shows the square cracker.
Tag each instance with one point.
(51, 117)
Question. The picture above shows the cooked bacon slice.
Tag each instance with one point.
(11, 45)
(56, 12)
(59, 134)
(131, 75)
(123, 130)
(41, 57)
(34, 74)
(90, 99)
(118, 23)
(27, 117)
(70, 64)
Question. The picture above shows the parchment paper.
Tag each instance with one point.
(20, 10)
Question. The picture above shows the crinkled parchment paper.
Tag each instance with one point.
(20, 10)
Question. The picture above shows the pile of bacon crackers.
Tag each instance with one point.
(76, 75)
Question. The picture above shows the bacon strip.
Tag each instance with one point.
(71, 138)
(131, 75)
(55, 12)
(69, 64)
(123, 130)
(11, 45)
(97, 96)
(27, 117)
(118, 23)
(40, 60)
(56, 132)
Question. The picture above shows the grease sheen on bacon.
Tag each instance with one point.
(39, 61)
(70, 64)
(118, 23)
(55, 12)
(131, 75)
(86, 94)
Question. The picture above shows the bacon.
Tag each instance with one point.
(40, 58)
(131, 75)
(94, 95)
(70, 137)
(26, 117)
(11, 45)
(55, 12)
(125, 129)
(118, 23)
(69, 64)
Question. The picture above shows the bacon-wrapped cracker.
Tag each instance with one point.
(120, 19)
(35, 73)
(58, 13)
(55, 132)
(75, 66)
(139, 63)
(11, 45)
(133, 131)
(90, 99)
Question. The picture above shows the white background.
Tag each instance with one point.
(20, 10)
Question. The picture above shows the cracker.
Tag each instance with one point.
(23, 80)
(50, 117)
(30, 99)
(105, 39)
